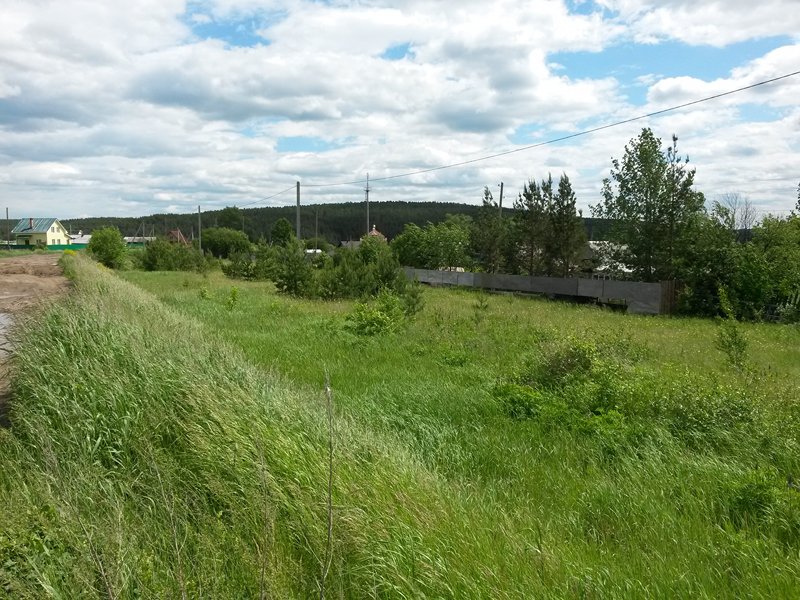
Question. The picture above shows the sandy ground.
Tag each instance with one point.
(25, 282)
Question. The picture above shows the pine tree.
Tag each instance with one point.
(566, 235)
(531, 224)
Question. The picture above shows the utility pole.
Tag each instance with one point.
(316, 230)
(298, 210)
(199, 230)
(366, 197)
(8, 231)
(500, 212)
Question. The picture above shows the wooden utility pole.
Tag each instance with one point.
(298, 210)
(500, 212)
(366, 197)
(8, 231)
(199, 230)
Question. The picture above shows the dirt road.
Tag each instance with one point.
(25, 281)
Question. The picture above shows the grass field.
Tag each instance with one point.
(494, 447)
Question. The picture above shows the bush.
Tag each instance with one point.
(223, 242)
(108, 247)
(292, 273)
(241, 266)
(519, 401)
(384, 315)
(161, 255)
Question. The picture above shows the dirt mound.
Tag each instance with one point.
(25, 281)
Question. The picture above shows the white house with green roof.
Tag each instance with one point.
(40, 232)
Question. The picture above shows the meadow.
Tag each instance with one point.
(170, 437)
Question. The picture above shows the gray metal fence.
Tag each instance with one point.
(639, 297)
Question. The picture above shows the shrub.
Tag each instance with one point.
(748, 501)
(557, 362)
(384, 315)
(161, 255)
(519, 401)
(732, 342)
(292, 274)
(241, 266)
(223, 242)
(233, 298)
(108, 247)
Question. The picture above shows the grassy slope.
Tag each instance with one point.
(564, 515)
(149, 457)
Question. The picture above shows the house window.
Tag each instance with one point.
(53, 229)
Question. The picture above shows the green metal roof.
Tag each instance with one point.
(41, 225)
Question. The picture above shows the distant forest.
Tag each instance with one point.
(336, 222)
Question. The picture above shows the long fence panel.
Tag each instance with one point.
(639, 297)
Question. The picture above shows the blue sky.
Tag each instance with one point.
(160, 105)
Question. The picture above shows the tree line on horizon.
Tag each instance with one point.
(334, 223)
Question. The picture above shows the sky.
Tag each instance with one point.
(152, 106)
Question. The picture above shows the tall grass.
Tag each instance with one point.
(181, 449)
(645, 441)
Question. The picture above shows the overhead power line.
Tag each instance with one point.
(291, 187)
(558, 139)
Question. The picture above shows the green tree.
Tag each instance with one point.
(410, 247)
(492, 240)
(438, 246)
(222, 242)
(709, 262)
(779, 241)
(649, 197)
(293, 274)
(108, 247)
(566, 235)
(531, 223)
(282, 232)
(450, 242)
(230, 217)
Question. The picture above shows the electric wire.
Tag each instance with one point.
(291, 187)
(559, 139)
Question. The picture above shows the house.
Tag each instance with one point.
(40, 232)
(81, 240)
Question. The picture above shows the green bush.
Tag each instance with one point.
(519, 401)
(241, 266)
(108, 247)
(223, 242)
(385, 314)
(161, 255)
(292, 274)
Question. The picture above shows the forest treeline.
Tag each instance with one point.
(336, 222)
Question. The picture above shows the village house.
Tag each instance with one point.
(40, 232)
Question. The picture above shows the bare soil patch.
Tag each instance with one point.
(25, 282)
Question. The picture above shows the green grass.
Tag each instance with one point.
(182, 445)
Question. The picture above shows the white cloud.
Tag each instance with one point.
(109, 108)
(713, 22)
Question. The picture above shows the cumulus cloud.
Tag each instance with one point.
(714, 22)
(124, 108)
